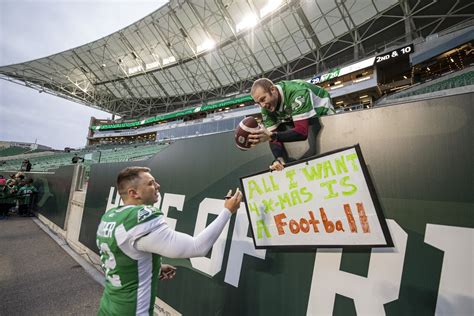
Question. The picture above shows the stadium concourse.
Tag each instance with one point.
(400, 74)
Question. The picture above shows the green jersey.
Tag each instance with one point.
(299, 100)
(131, 275)
(25, 193)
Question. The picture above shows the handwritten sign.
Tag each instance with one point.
(326, 201)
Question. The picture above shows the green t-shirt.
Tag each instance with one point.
(25, 193)
(131, 275)
(300, 100)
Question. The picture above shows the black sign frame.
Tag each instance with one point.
(373, 195)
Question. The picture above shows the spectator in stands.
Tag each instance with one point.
(28, 165)
(288, 109)
(26, 195)
(129, 234)
(76, 159)
(25, 165)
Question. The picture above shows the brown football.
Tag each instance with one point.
(243, 130)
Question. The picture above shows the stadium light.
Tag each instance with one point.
(169, 60)
(248, 21)
(152, 65)
(133, 70)
(206, 45)
(405, 77)
(271, 6)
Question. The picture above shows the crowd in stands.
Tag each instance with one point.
(17, 195)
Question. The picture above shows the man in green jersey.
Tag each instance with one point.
(26, 197)
(288, 110)
(133, 237)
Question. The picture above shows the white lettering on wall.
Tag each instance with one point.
(175, 200)
(381, 286)
(213, 265)
(241, 244)
(456, 288)
(117, 200)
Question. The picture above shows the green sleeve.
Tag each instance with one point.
(322, 101)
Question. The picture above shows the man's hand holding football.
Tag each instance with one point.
(261, 136)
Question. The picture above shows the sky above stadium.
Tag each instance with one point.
(31, 29)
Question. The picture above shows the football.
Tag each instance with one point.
(243, 130)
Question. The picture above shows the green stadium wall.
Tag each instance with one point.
(53, 193)
(419, 156)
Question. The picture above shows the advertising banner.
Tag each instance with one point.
(325, 201)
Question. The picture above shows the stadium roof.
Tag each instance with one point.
(193, 51)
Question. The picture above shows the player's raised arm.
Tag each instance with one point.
(134, 235)
(172, 244)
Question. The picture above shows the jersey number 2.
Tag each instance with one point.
(109, 263)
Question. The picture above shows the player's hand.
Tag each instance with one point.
(277, 165)
(260, 136)
(232, 202)
(167, 272)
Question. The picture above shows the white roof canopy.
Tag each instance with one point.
(191, 51)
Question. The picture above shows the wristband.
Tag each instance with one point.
(274, 137)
